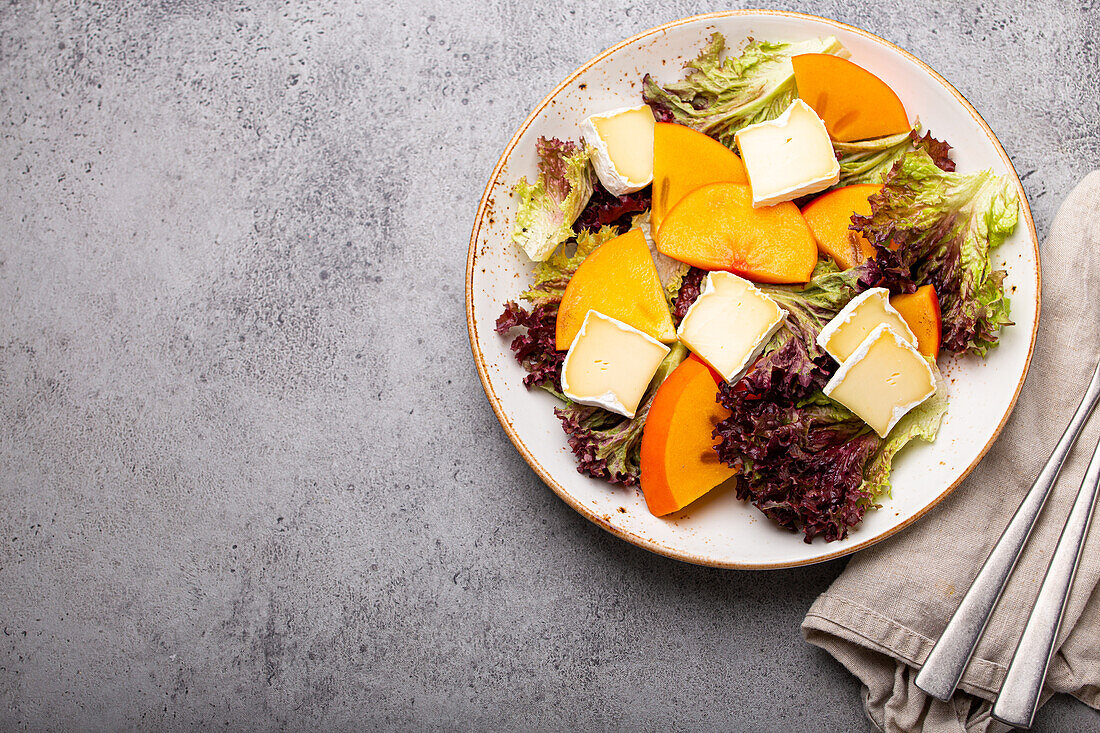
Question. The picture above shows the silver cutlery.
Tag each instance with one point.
(1019, 696)
(946, 663)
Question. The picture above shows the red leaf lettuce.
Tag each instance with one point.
(929, 225)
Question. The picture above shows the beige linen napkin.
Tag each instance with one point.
(881, 617)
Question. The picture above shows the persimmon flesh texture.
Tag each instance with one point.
(853, 103)
(619, 280)
(684, 160)
(830, 218)
(716, 228)
(921, 311)
(678, 462)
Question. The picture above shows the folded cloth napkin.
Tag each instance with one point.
(881, 617)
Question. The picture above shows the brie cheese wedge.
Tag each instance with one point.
(623, 141)
(610, 364)
(788, 157)
(842, 336)
(882, 380)
(729, 324)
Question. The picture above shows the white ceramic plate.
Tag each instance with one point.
(719, 530)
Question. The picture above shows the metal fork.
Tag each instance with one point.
(946, 663)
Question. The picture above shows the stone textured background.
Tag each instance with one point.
(248, 477)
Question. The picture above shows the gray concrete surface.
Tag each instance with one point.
(248, 477)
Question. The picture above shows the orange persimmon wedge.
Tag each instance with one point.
(830, 216)
(716, 228)
(684, 160)
(853, 103)
(921, 311)
(679, 463)
(619, 280)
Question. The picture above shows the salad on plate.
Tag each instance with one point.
(747, 277)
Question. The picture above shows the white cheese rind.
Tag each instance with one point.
(850, 310)
(715, 330)
(615, 182)
(867, 390)
(788, 157)
(623, 366)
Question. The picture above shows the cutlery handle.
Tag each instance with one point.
(1019, 695)
(946, 663)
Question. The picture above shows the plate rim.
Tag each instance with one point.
(649, 543)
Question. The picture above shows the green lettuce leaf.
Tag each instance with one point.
(933, 226)
(609, 446)
(923, 422)
(870, 161)
(553, 274)
(809, 307)
(670, 271)
(548, 208)
(719, 97)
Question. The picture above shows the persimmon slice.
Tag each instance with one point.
(716, 228)
(830, 216)
(679, 463)
(683, 160)
(921, 311)
(619, 280)
(853, 103)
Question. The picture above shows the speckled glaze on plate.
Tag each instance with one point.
(719, 530)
